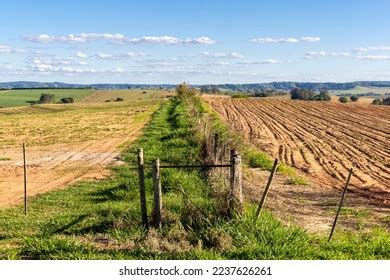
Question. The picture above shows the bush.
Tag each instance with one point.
(46, 98)
(119, 99)
(240, 96)
(322, 96)
(354, 98)
(343, 99)
(302, 94)
(377, 101)
(67, 100)
(386, 101)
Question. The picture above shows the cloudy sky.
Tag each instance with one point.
(200, 41)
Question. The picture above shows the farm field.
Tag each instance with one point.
(24, 97)
(323, 140)
(65, 143)
(127, 95)
(360, 90)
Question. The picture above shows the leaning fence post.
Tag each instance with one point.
(157, 193)
(235, 182)
(142, 194)
(267, 187)
(25, 178)
(340, 204)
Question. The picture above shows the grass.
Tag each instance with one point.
(54, 123)
(360, 90)
(5, 158)
(24, 97)
(127, 95)
(100, 220)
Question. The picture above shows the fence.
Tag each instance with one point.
(220, 162)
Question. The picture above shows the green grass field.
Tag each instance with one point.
(100, 220)
(360, 89)
(24, 97)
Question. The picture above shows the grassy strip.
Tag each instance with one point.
(100, 220)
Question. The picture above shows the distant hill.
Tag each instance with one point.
(231, 87)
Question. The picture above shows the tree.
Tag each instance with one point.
(46, 98)
(323, 95)
(302, 94)
(215, 90)
(386, 101)
(295, 94)
(377, 101)
(354, 98)
(343, 99)
(67, 100)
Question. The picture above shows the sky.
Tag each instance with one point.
(198, 41)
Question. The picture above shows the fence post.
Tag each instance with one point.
(157, 193)
(267, 187)
(142, 194)
(235, 182)
(25, 178)
(340, 204)
(216, 143)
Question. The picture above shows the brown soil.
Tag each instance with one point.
(321, 139)
(312, 207)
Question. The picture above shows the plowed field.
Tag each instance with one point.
(322, 139)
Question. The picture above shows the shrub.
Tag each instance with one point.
(354, 98)
(119, 99)
(377, 101)
(144, 92)
(240, 96)
(302, 94)
(386, 101)
(322, 96)
(67, 100)
(343, 99)
(46, 98)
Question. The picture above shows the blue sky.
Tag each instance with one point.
(200, 41)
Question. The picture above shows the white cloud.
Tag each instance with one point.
(372, 58)
(118, 38)
(310, 39)
(221, 55)
(378, 48)
(286, 40)
(266, 61)
(81, 55)
(317, 54)
(6, 49)
(82, 63)
(111, 56)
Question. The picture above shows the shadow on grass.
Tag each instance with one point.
(116, 193)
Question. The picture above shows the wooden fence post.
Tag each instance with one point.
(216, 143)
(267, 187)
(157, 193)
(142, 194)
(340, 204)
(25, 178)
(235, 182)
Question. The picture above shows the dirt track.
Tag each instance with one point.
(322, 139)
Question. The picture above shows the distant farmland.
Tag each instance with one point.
(24, 97)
